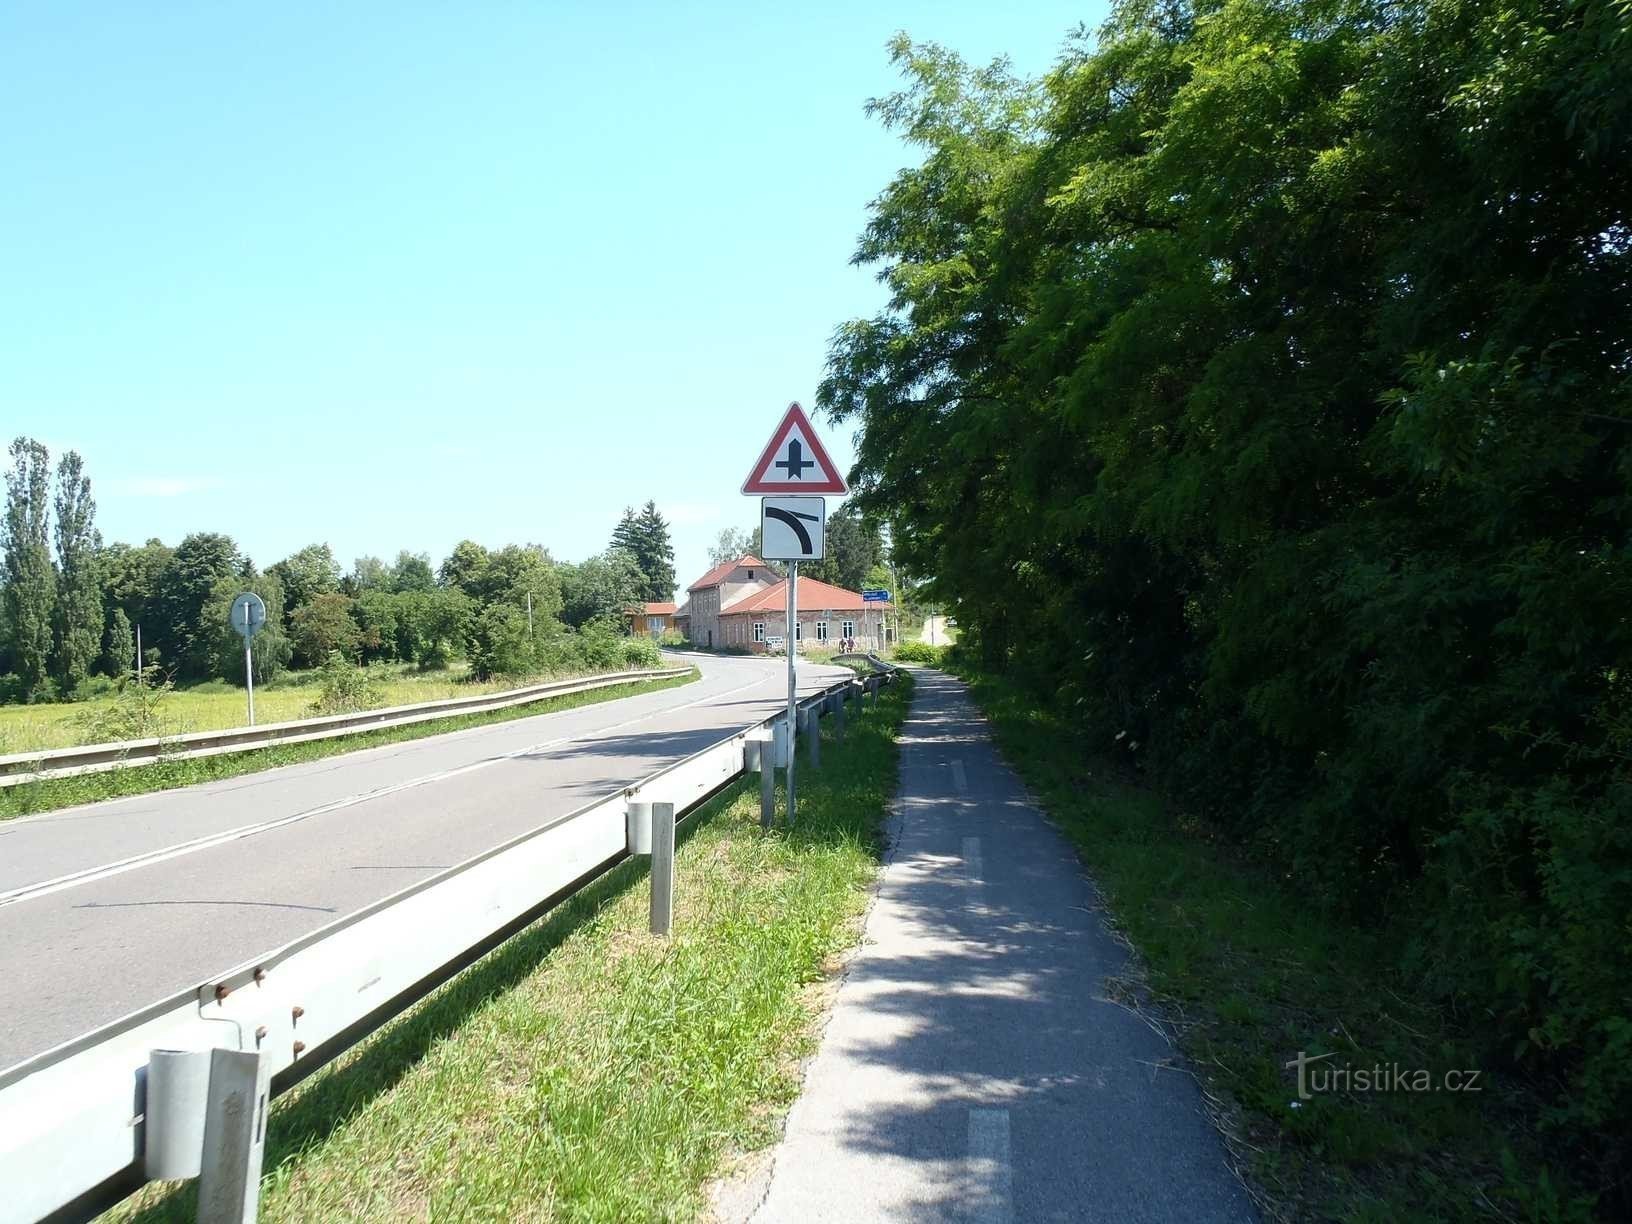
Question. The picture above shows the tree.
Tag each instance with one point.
(131, 577)
(601, 587)
(412, 572)
(30, 588)
(465, 568)
(367, 574)
(79, 614)
(1255, 388)
(304, 576)
(322, 626)
(854, 546)
(645, 537)
(119, 656)
(655, 553)
(730, 544)
(184, 589)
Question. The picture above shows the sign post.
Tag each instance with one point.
(247, 616)
(793, 528)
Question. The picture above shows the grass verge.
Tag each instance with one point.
(53, 793)
(587, 1070)
(1244, 975)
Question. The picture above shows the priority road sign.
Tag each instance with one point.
(795, 461)
(793, 528)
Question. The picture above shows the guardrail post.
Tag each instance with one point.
(229, 1184)
(760, 755)
(839, 712)
(813, 731)
(662, 867)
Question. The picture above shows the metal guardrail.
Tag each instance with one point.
(75, 1120)
(19, 767)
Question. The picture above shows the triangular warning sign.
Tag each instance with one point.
(795, 461)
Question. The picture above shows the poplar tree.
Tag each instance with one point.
(30, 593)
(80, 616)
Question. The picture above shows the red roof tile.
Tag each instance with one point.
(659, 609)
(813, 597)
(717, 575)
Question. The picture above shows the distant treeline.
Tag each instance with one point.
(71, 604)
(1258, 385)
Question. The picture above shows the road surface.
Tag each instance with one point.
(974, 1068)
(111, 906)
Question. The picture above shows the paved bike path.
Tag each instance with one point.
(973, 1068)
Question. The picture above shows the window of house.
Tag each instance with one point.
(821, 631)
(759, 631)
(847, 629)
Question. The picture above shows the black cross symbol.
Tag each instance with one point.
(795, 463)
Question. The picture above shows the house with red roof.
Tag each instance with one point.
(651, 619)
(743, 605)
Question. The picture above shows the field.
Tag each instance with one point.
(216, 705)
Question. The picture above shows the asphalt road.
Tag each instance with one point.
(111, 906)
(979, 1064)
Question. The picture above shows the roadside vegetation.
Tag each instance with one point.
(588, 1070)
(72, 610)
(1243, 974)
(28, 798)
(158, 707)
(1274, 361)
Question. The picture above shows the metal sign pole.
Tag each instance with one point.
(249, 679)
(793, 647)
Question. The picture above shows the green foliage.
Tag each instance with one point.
(136, 713)
(183, 631)
(30, 586)
(921, 652)
(80, 618)
(305, 575)
(324, 627)
(1273, 362)
(855, 547)
(412, 572)
(500, 643)
(645, 537)
(601, 587)
(639, 652)
(343, 687)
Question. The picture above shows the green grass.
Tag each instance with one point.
(54, 793)
(587, 1070)
(1243, 973)
(215, 705)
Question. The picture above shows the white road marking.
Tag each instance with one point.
(91, 875)
(991, 1177)
(959, 778)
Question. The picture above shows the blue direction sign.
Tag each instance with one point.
(875, 596)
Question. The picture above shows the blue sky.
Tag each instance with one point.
(390, 276)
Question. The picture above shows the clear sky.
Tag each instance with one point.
(392, 275)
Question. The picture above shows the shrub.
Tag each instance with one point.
(640, 652)
(920, 652)
(136, 713)
(344, 687)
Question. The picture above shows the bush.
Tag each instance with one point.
(672, 638)
(639, 652)
(345, 688)
(920, 652)
(136, 713)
